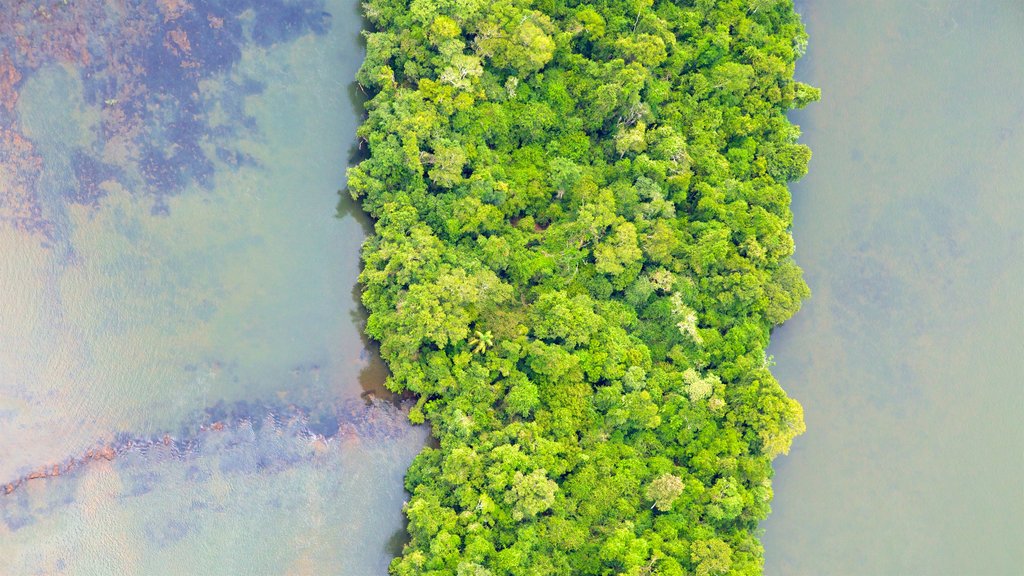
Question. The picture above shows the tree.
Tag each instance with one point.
(481, 341)
(448, 160)
(581, 246)
(631, 139)
(699, 387)
(686, 318)
(523, 397)
(531, 494)
(521, 44)
(663, 490)
(711, 557)
(563, 175)
(618, 251)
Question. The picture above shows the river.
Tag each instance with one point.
(179, 331)
(908, 358)
(184, 388)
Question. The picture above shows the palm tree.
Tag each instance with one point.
(481, 341)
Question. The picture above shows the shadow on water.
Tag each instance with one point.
(373, 376)
(396, 544)
(357, 97)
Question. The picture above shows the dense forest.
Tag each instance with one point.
(582, 244)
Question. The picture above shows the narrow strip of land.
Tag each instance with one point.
(582, 243)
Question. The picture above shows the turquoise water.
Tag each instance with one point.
(177, 287)
(908, 358)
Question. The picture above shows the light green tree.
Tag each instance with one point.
(686, 318)
(481, 341)
(618, 250)
(531, 494)
(664, 490)
(712, 556)
(631, 139)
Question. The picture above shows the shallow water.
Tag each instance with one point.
(173, 257)
(262, 497)
(908, 358)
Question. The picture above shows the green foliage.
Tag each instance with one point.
(582, 243)
(664, 490)
(481, 341)
(531, 494)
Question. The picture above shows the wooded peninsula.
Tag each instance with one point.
(582, 243)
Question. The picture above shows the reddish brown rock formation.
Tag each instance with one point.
(9, 76)
(173, 9)
(19, 170)
(177, 42)
(64, 38)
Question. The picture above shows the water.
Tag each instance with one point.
(174, 262)
(908, 359)
(256, 498)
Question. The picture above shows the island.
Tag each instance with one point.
(582, 243)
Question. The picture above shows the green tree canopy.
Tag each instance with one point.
(580, 249)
